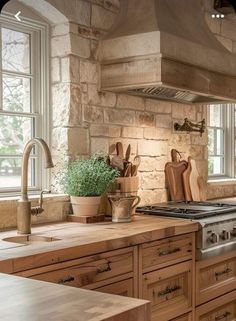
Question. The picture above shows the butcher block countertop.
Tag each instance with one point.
(30, 300)
(79, 240)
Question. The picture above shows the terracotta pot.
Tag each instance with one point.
(85, 206)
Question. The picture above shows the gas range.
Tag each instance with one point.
(217, 223)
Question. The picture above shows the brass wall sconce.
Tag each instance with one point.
(189, 127)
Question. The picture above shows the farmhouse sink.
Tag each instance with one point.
(30, 239)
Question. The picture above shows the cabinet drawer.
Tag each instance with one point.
(167, 251)
(185, 317)
(214, 279)
(220, 309)
(124, 288)
(86, 271)
(169, 291)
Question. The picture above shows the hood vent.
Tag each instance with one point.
(163, 49)
(171, 95)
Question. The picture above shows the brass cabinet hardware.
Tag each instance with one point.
(67, 279)
(169, 251)
(222, 316)
(169, 290)
(227, 270)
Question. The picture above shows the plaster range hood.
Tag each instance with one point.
(164, 49)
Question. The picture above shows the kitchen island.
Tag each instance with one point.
(151, 258)
(29, 300)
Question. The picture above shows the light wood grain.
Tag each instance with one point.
(79, 240)
(187, 190)
(174, 178)
(29, 300)
(193, 181)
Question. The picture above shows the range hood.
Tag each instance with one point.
(164, 49)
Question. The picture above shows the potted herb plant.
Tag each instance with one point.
(85, 181)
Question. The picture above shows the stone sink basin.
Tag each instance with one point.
(30, 239)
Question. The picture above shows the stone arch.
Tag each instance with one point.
(46, 10)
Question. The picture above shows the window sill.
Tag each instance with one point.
(46, 198)
(222, 181)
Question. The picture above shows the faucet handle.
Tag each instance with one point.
(39, 209)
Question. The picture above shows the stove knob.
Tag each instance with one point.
(233, 233)
(213, 238)
(224, 235)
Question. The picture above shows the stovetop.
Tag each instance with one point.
(187, 209)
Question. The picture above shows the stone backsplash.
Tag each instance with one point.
(87, 121)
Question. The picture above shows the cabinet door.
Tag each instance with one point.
(124, 288)
(169, 291)
(214, 278)
(185, 317)
(220, 309)
(168, 251)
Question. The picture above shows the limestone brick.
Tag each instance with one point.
(181, 111)
(92, 114)
(105, 130)
(132, 132)
(145, 119)
(163, 121)
(99, 146)
(88, 72)
(157, 106)
(127, 117)
(157, 133)
(55, 70)
(149, 164)
(78, 141)
(152, 180)
(152, 148)
(130, 102)
(152, 196)
(102, 18)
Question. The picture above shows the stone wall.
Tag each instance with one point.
(86, 121)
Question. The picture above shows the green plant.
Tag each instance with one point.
(91, 177)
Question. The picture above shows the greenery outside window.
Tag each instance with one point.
(221, 141)
(23, 99)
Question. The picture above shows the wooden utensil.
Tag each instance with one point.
(119, 150)
(128, 152)
(202, 188)
(193, 181)
(127, 171)
(135, 165)
(174, 179)
(117, 162)
(175, 155)
(187, 190)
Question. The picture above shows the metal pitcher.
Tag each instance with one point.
(122, 207)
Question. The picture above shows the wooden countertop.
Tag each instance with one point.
(29, 300)
(78, 240)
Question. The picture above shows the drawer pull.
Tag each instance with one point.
(104, 269)
(169, 251)
(169, 290)
(222, 316)
(69, 278)
(222, 272)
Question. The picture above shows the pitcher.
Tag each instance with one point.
(122, 207)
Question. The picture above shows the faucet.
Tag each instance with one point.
(24, 209)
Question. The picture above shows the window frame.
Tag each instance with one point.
(39, 57)
(228, 114)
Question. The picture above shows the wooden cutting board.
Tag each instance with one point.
(186, 185)
(193, 181)
(174, 179)
(202, 188)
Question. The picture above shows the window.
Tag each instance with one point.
(23, 100)
(221, 140)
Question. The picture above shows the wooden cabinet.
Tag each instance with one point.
(166, 252)
(185, 317)
(169, 290)
(220, 309)
(89, 272)
(124, 288)
(215, 277)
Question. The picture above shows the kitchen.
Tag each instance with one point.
(91, 74)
